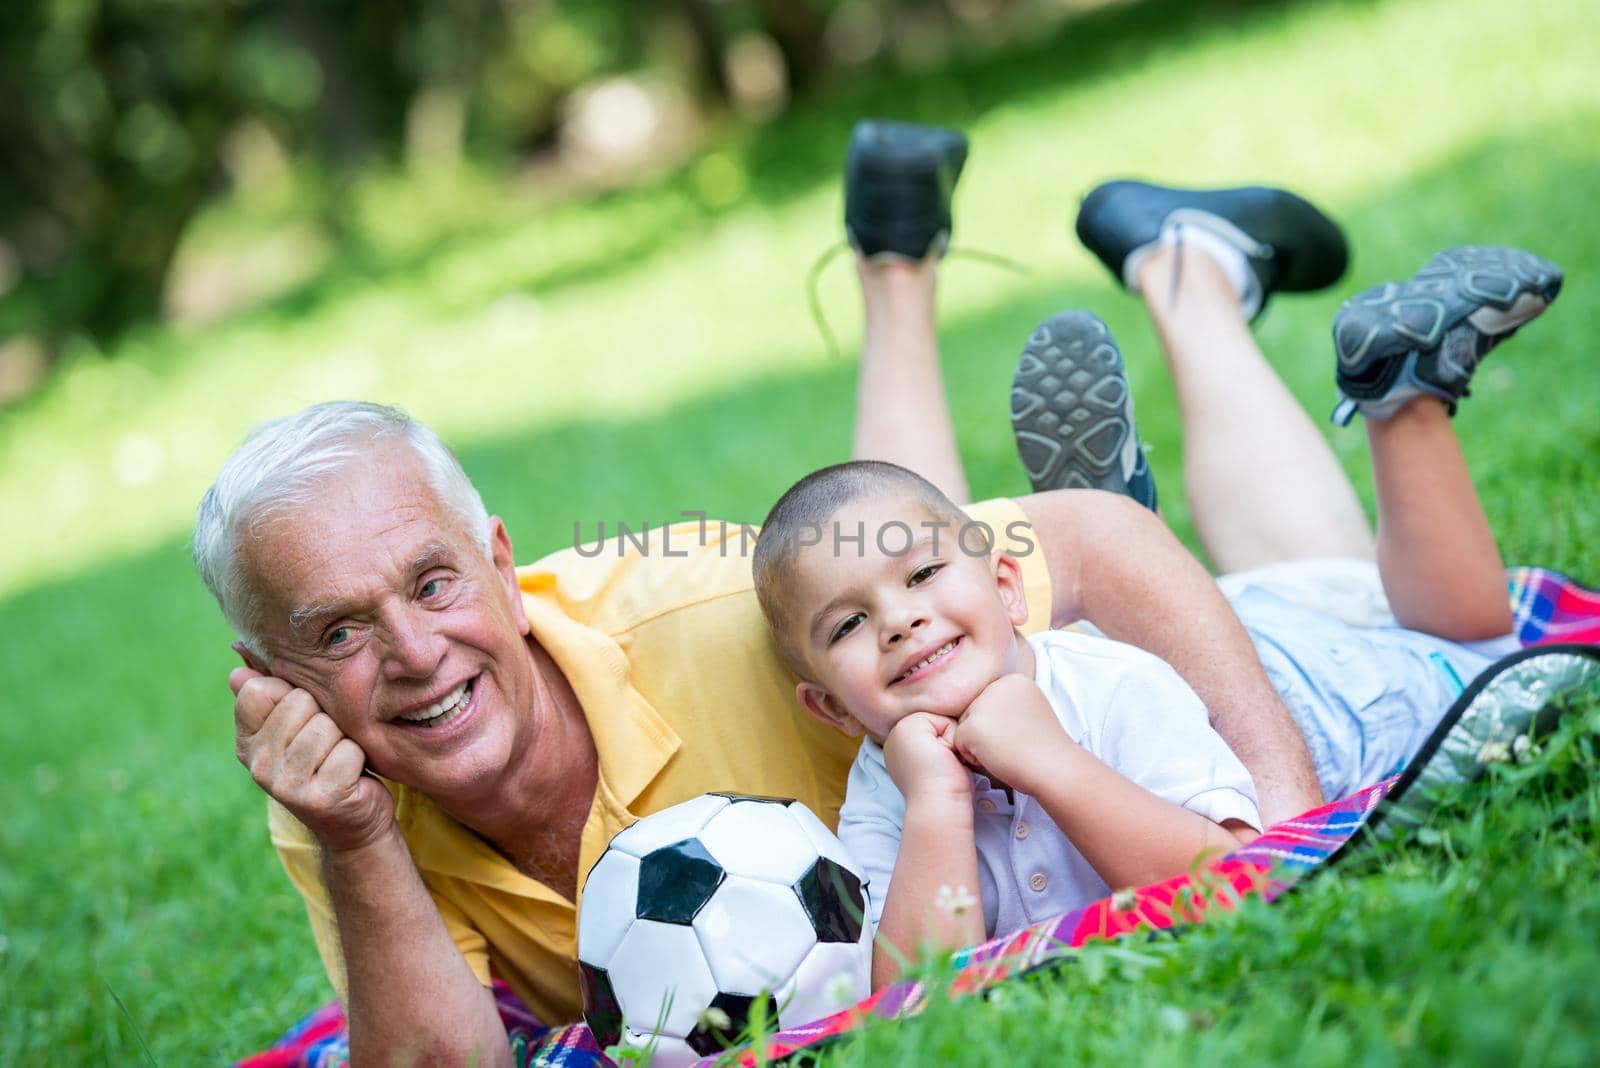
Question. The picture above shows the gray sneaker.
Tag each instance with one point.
(1426, 335)
(1072, 411)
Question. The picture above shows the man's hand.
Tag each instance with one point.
(922, 764)
(300, 757)
(1011, 732)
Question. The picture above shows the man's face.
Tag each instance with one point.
(378, 603)
(886, 634)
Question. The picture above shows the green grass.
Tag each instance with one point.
(650, 352)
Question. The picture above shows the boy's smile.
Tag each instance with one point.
(885, 632)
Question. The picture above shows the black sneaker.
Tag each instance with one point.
(1288, 243)
(1427, 335)
(898, 178)
(1072, 411)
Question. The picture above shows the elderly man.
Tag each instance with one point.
(450, 741)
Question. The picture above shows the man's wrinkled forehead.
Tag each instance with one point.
(367, 522)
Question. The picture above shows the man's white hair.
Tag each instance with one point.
(283, 463)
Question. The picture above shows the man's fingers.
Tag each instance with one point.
(305, 752)
(255, 701)
(239, 676)
(344, 762)
(263, 749)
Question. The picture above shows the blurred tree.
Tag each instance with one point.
(114, 113)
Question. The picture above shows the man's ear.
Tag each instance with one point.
(505, 563)
(1013, 594)
(250, 659)
(821, 704)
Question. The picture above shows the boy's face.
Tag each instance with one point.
(888, 633)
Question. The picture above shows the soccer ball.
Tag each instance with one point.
(694, 913)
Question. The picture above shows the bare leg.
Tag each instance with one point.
(901, 412)
(1441, 568)
(1262, 484)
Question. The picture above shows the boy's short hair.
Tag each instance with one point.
(804, 508)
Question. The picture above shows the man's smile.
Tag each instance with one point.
(447, 710)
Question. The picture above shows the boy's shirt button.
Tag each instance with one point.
(1037, 882)
(1022, 829)
(985, 805)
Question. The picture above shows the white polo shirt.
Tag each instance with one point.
(1123, 705)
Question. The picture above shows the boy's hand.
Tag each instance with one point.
(1011, 731)
(921, 762)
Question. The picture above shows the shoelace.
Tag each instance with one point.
(814, 275)
(1177, 267)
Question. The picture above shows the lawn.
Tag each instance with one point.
(636, 356)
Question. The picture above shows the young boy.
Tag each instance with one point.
(1043, 771)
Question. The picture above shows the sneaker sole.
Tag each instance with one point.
(1521, 695)
(1072, 411)
(1398, 327)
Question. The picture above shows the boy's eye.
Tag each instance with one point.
(846, 625)
(923, 574)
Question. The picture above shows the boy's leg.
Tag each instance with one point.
(898, 181)
(1406, 354)
(901, 412)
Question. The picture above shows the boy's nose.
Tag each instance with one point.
(898, 628)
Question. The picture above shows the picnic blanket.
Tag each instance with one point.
(1547, 607)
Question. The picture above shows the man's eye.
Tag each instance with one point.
(846, 625)
(924, 573)
(432, 588)
(337, 636)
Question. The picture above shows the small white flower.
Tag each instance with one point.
(1524, 749)
(840, 990)
(1494, 753)
(715, 1018)
(954, 902)
(1124, 900)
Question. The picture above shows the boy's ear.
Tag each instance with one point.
(821, 704)
(1013, 594)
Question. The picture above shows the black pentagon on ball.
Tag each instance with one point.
(785, 801)
(675, 881)
(831, 895)
(707, 1038)
(601, 1010)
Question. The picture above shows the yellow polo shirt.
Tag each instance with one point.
(684, 692)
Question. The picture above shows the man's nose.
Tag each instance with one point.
(413, 648)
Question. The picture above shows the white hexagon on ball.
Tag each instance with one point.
(754, 934)
(669, 825)
(607, 908)
(659, 974)
(759, 840)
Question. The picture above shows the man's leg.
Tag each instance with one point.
(1262, 484)
(1406, 354)
(901, 412)
(898, 179)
